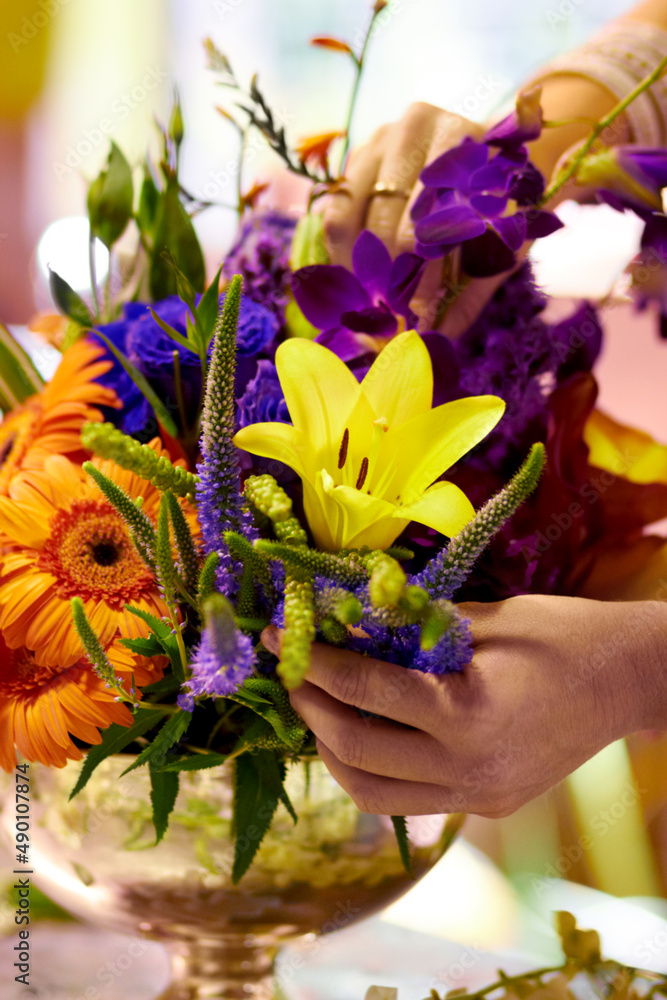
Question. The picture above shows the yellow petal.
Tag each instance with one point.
(399, 384)
(273, 440)
(320, 391)
(625, 451)
(355, 518)
(444, 507)
(416, 453)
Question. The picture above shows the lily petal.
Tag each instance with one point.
(444, 507)
(281, 442)
(399, 384)
(364, 520)
(428, 445)
(320, 391)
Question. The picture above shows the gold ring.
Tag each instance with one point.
(389, 190)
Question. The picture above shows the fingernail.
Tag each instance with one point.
(271, 639)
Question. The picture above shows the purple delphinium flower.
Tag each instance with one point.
(220, 663)
(348, 307)
(151, 350)
(261, 255)
(467, 202)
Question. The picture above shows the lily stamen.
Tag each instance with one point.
(342, 454)
(363, 472)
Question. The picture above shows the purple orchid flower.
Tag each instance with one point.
(467, 194)
(524, 124)
(627, 177)
(649, 270)
(349, 306)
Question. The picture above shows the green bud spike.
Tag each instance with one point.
(292, 728)
(246, 605)
(141, 528)
(399, 553)
(164, 558)
(95, 652)
(338, 603)
(387, 581)
(333, 631)
(438, 618)
(185, 544)
(107, 441)
(448, 570)
(207, 578)
(264, 494)
(240, 548)
(299, 626)
(347, 570)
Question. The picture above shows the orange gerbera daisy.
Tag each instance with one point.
(65, 540)
(50, 422)
(42, 707)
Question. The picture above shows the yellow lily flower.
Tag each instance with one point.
(625, 451)
(368, 453)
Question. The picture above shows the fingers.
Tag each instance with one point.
(368, 743)
(345, 211)
(388, 796)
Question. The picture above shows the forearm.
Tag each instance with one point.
(650, 661)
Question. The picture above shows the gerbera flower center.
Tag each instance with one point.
(20, 676)
(91, 555)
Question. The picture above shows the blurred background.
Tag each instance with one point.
(76, 73)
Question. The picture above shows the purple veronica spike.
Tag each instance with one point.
(220, 664)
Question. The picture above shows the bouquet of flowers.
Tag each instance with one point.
(207, 461)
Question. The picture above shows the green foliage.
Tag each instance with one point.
(68, 301)
(174, 233)
(347, 569)
(110, 199)
(164, 558)
(161, 635)
(243, 550)
(197, 762)
(171, 733)
(107, 441)
(207, 577)
(18, 376)
(185, 544)
(164, 791)
(258, 790)
(401, 831)
(269, 699)
(115, 739)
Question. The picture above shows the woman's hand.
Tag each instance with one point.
(553, 680)
(394, 157)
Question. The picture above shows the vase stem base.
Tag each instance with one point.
(236, 969)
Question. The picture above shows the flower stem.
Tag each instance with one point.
(355, 88)
(93, 276)
(567, 172)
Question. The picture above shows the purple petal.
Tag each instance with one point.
(496, 176)
(445, 368)
(374, 319)
(324, 291)
(433, 251)
(528, 186)
(342, 342)
(424, 204)
(540, 224)
(486, 255)
(406, 272)
(454, 167)
(651, 162)
(580, 337)
(512, 229)
(488, 205)
(450, 225)
(372, 263)
(510, 131)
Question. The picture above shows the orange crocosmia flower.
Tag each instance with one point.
(316, 148)
(50, 422)
(42, 707)
(65, 540)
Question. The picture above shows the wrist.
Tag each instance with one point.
(648, 621)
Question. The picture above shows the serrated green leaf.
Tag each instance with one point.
(18, 376)
(110, 199)
(198, 762)
(401, 831)
(170, 734)
(115, 739)
(164, 790)
(164, 636)
(143, 647)
(166, 685)
(209, 309)
(68, 301)
(172, 333)
(161, 411)
(175, 234)
(256, 797)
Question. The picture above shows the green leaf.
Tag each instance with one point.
(18, 376)
(174, 233)
(164, 636)
(144, 647)
(115, 739)
(110, 199)
(68, 301)
(164, 790)
(271, 702)
(149, 197)
(165, 686)
(257, 792)
(171, 332)
(198, 762)
(401, 831)
(170, 734)
(161, 411)
(209, 309)
(308, 243)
